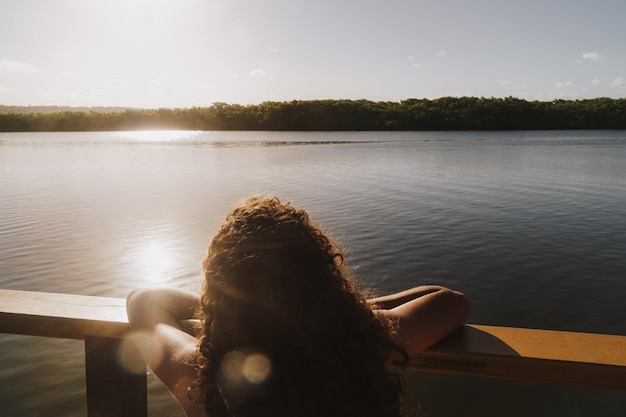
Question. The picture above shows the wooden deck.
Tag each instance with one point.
(593, 360)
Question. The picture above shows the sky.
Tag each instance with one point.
(184, 53)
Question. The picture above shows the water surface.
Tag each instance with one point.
(530, 225)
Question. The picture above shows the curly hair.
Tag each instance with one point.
(284, 330)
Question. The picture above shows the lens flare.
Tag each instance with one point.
(232, 365)
(254, 367)
(131, 360)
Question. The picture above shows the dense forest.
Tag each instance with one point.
(448, 113)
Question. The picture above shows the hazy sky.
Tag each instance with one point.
(182, 53)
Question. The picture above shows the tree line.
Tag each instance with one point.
(447, 113)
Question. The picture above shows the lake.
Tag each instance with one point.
(529, 225)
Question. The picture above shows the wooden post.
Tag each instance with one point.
(111, 390)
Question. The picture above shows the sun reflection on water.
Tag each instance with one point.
(156, 135)
(155, 262)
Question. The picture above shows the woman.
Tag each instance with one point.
(284, 331)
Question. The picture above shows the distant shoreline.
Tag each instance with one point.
(447, 113)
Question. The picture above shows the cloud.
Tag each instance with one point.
(595, 81)
(413, 63)
(258, 73)
(619, 82)
(272, 50)
(505, 82)
(562, 84)
(441, 52)
(593, 56)
(18, 67)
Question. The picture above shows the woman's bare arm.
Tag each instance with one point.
(387, 302)
(154, 315)
(425, 315)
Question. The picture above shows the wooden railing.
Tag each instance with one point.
(593, 360)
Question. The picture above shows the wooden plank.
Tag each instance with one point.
(561, 346)
(61, 315)
(112, 391)
(571, 358)
(540, 355)
(66, 316)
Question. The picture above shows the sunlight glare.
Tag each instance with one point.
(156, 135)
(155, 261)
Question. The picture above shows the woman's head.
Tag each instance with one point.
(268, 256)
(276, 289)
